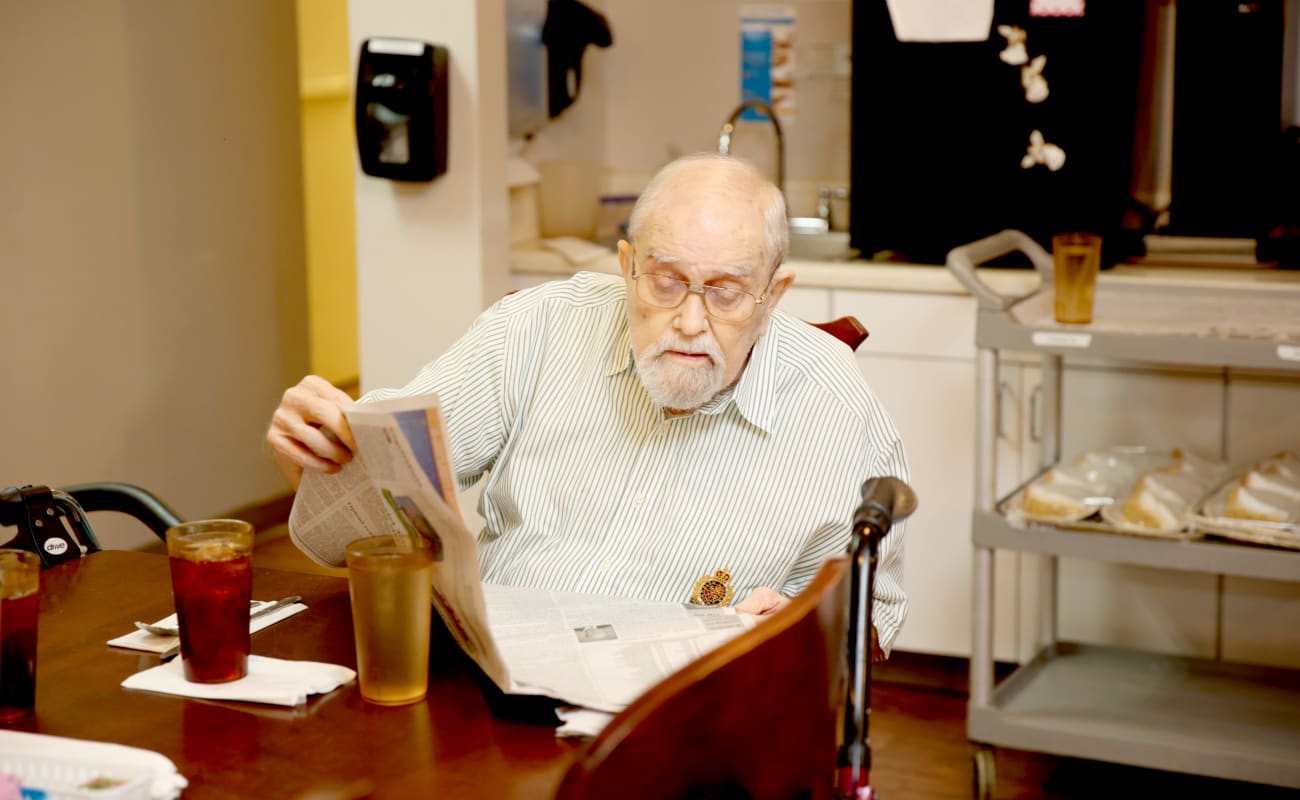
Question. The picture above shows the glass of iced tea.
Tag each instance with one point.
(19, 601)
(212, 586)
(390, 580)
(1076, 258)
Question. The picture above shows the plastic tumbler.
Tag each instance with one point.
(1076, 257)
(212, 586)
(19, 601)
(390, 581)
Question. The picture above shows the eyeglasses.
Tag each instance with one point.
(721, 303)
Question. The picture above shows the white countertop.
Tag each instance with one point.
(931, 278)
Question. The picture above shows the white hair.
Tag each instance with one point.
(735, 174)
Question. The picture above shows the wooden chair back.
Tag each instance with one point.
(756, 718)
(847, 329)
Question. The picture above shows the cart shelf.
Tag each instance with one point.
(1255, 327)
(1207, 346)
(1166, 712)
(991, 529)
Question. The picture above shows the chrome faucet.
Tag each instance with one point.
(729, 127)
(824, 196)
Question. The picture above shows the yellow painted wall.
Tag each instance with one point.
(325, 94)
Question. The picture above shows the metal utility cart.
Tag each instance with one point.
(1181, 714)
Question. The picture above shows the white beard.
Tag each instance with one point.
(681, 387)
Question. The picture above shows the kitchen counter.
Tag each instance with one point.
(934, 279)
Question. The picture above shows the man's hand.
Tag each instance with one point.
(762, 601)
(309, 431)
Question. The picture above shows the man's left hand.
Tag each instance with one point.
(762, 602)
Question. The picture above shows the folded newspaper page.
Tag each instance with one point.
(596, 651)
(401, 481)
(589, 650)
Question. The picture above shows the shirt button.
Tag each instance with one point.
(639, 500)
(606, 564)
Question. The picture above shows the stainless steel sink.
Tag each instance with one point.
(812, 240)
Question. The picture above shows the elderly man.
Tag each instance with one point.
(667, 435)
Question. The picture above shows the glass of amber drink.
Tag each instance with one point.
(19, 601)
(212, 586)
(1076, 258)
(390, 581)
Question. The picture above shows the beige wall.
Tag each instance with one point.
(430, 256)
(673, 76)
(151, 235)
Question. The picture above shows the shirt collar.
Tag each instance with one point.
(755, 392)
(619, 358)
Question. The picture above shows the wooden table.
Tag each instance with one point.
(336, 746)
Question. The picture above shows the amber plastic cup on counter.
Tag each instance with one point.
(390, 581)
(19, 601)
(1076, 258)
(212, 586)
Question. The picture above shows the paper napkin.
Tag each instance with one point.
(139, 640)
(40, 758)
(273, 681)
(578, 721)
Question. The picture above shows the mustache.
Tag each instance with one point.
(702, 346)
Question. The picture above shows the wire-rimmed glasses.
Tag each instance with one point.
(720, 302)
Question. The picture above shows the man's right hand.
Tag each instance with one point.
(309, 431)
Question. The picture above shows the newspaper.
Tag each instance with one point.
(596, 651)
(589, 650)
(401, 481)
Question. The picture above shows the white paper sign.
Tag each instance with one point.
(1061, 339)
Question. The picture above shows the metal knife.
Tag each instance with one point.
(175, 650)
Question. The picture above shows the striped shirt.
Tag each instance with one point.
(591, 488)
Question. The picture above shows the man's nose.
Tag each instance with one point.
(692, 318)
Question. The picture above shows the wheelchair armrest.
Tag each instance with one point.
(126, 499)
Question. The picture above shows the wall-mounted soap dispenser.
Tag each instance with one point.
(401, 113)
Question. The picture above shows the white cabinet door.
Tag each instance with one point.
(920, 362)
(1261, 619)
(811, 304)
(1033, 600)
(932, 405)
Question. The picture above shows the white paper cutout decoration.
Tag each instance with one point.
(1041, 151)
(1015, 53)
(1031, 77)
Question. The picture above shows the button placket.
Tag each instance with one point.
(636, 492)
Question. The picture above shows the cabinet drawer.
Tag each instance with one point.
(907, 324)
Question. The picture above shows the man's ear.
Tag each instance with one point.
(625, 257)
(780, 282)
